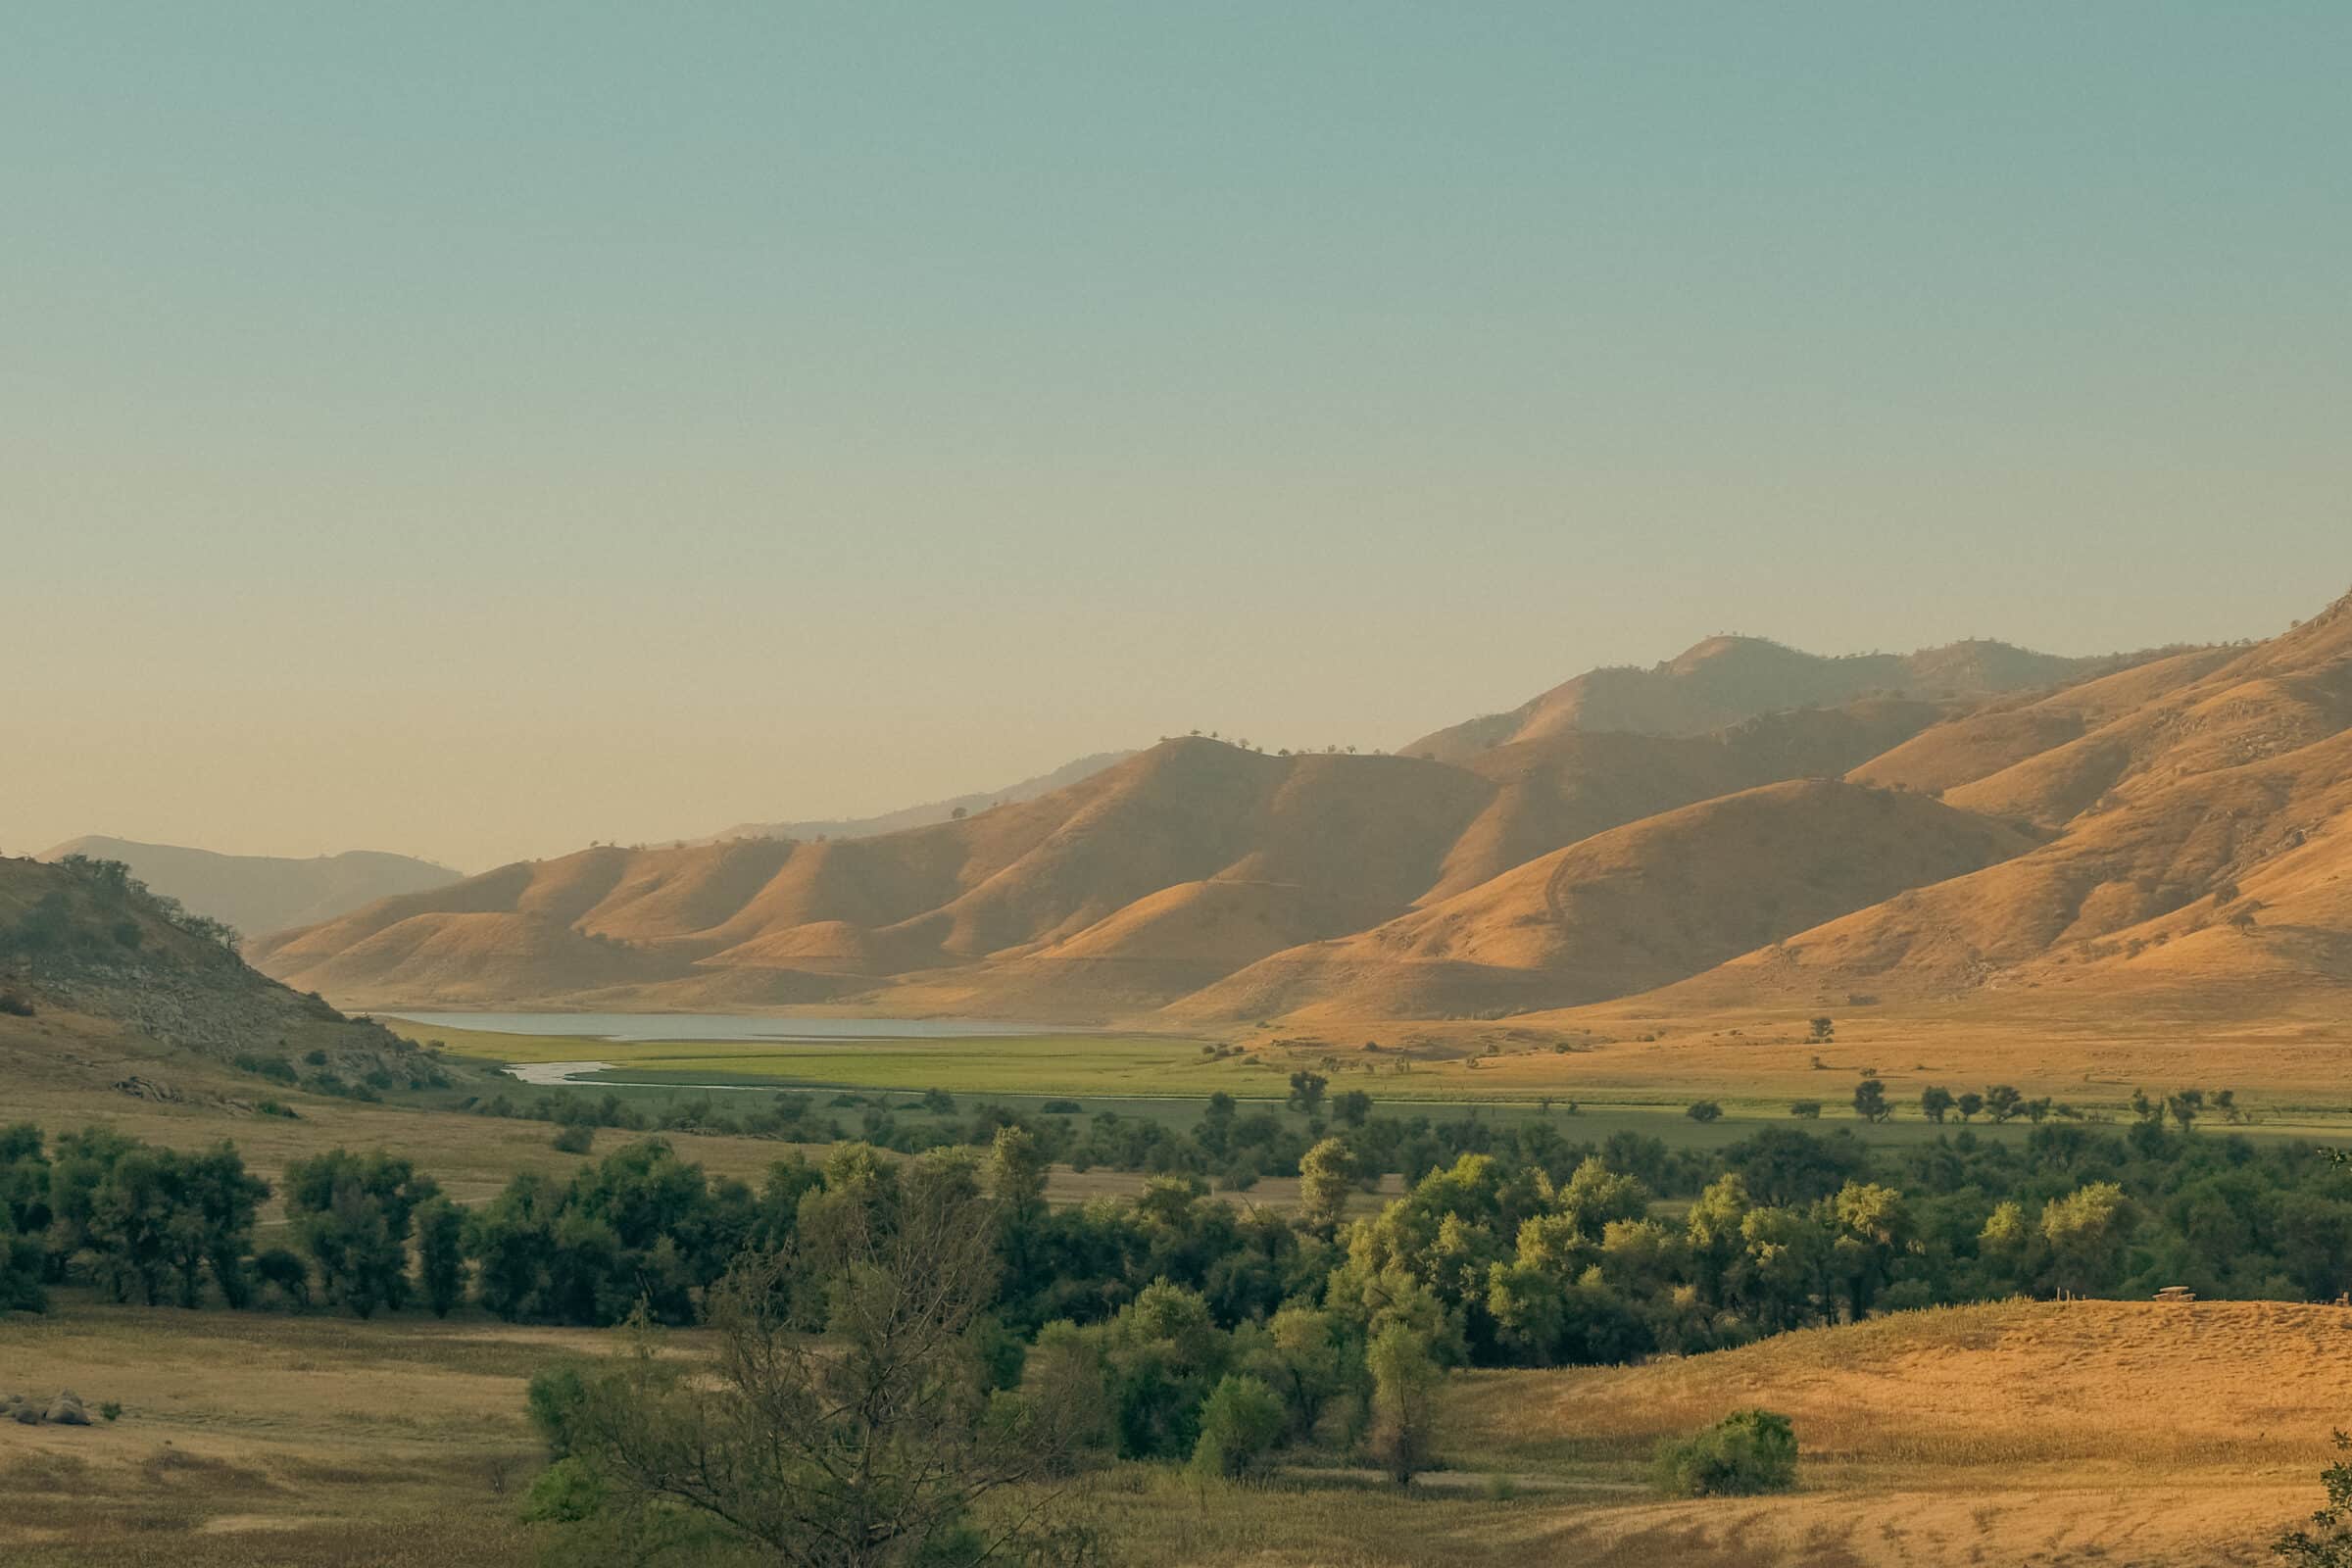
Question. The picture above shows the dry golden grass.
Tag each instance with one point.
(2015, 1433)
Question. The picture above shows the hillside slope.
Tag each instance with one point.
(263, 893)
(2203, 845)
(1631, 908)
(102, 976)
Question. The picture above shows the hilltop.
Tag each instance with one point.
(1920, 829)
(1725, 679)
(923, 815)
(261, 893)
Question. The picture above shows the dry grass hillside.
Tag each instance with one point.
(2133, 827)
(2202, 846)
(1634, 906)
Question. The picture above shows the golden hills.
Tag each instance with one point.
(1744, 825)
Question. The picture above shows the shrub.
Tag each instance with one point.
(1703, 1111)
(1240, 1421)
(111, 1410)
(565, 1493)
(1806, 1109)
(1746, 1452)
(576, 1139)
(1061, 1107)
(17, 1005)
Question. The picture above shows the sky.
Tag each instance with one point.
(478, 430)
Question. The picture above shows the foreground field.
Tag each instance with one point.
(2087, 1433)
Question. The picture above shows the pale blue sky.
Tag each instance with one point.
(476, 429)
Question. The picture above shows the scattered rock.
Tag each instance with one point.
(65, 1410)
(27, 1414)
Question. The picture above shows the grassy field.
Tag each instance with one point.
(1166, 1077)
(2088, 1433)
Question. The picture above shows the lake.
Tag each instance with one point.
(699, 1026)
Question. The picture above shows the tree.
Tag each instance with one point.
(1326, 1175)
(1823, 1031)
(1353, 1108)
(440, 1254)
(1404, 1387)
(1936, 1103)
(1306, 1092)
(2085, 1231)
(2329, 1544)
(1703, 1111)
(1241, 1422)
(870, 1444)
(2002, 1102)
(352, 1214)
(1870, 1101)
(1746, 1452)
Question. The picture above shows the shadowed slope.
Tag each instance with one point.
(1629, 909)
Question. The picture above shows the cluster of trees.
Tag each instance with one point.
(104, 920)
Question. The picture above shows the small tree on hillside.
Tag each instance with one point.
(1936, 1103)
(1306, 1091)
(1968, 1103)
(1870, 1101)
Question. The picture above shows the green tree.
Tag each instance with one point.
(1703, 1111)
(1326, 1176)
(1241, 1422)
(2002, 1102)
(1306, 1092)
(1870, 1101)
(1968, 1103)
(2085, 1232)
(441, 1254)
(352, 1214)
(1404, 1391)
(1936, 1103)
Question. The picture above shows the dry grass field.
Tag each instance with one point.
(2089, 1432)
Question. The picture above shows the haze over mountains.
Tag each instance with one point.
(263, 893)
(862, 827)
(1745, 821)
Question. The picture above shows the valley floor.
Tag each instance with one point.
(2044, 1433)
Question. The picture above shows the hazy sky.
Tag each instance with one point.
(476, 429)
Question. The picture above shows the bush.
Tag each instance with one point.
(1240, 1421)
(578, 1139)
(1061, 1107)
(17, 1005)
(1806, 1109)
(111, 1410)
(1703, 1111)
(1746, 1452)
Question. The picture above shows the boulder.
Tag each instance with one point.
(66, 1409)
(27, 1414)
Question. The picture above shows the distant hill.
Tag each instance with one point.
(1934, 826)
(861, 827)
(1724, 681)
(260, 893)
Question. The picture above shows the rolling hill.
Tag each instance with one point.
(1744, 825)
(261, 893)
